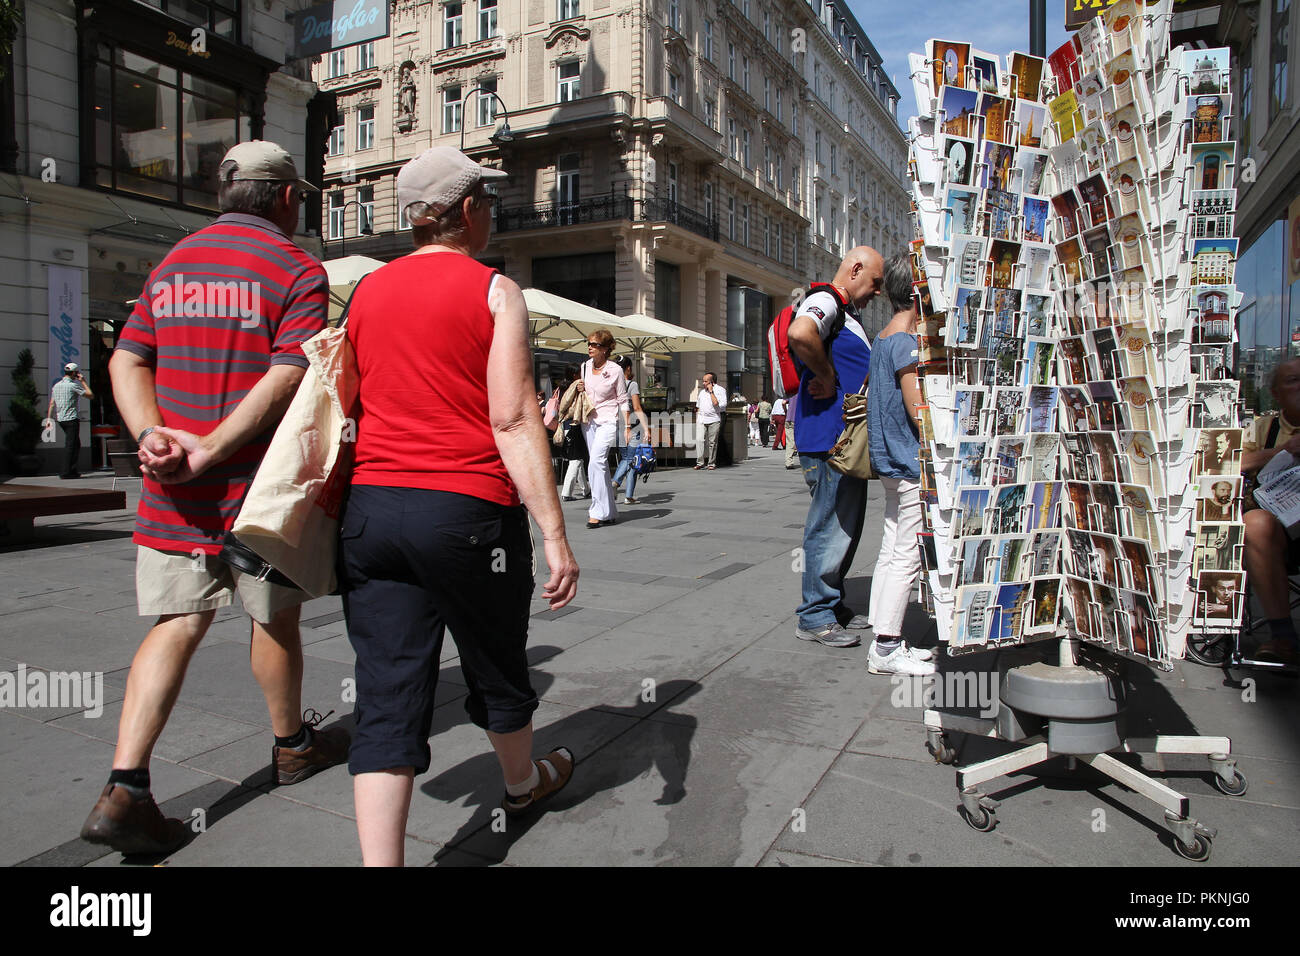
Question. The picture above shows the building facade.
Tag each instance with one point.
(115, 115)
(662, 156)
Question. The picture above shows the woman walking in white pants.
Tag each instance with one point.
(606, 388)
(894, 416)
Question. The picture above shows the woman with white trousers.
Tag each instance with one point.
(894, 419)
(606, 388)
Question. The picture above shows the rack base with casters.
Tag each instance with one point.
(1076, 711)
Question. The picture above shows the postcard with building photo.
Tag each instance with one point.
(1030, 119)
(1008, 450)
(1206, 70)
(1044, 548)
(1077, 462)
(948, 62)
(1093, 197)
(1075, 406)
(1217, 498)
(1214, 213)
(1066, 207)
(971, 504)
(1218, 452)
(1042, 409)
(1214, 261)
(1097, 247)
(969, 253)
(998, 164)
(957, 112)
(1002, 364)
(1074, 368)
(1003, 255)
(1076, 511)
(1213, 165)
(965, 321)
(1026, 76)
(1207, 113)
(1142, 571)
(963, 206)
(1007, 405)
(1219, 596)
(1035, 212)
(980, 561)
(1012, 608)
(1031, 166)
(974, 606)
(1104, 353)
(1214, 404)
(1008, 515)
(1006, 312)
(1138, 619)
(1218, 547)
(1105, 505)
(1105, 451)
(1045, 602)
(986, 72)
(1077, 557)
(1076, 608)
(1042, 463)
(1106, 605)
(1105, 399)
(1016, 558)
(1002, 211)
(968, 467)
(959, 160)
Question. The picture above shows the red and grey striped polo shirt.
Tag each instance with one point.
(225, 305)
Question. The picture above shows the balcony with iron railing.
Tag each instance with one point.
(604, 208)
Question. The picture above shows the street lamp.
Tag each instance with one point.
(502, 134)
(366, 230)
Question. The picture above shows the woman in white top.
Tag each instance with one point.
(606, 388)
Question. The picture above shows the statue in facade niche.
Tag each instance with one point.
(406, 97)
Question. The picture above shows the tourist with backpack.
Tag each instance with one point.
(636, 432)
(832, 356)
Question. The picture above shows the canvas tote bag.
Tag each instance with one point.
(851, 454)
(291, 513)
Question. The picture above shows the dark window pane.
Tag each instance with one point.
(145, 114)
(209, 132)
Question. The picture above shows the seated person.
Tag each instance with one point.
(1270, 553)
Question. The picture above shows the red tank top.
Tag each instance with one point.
(421, 330)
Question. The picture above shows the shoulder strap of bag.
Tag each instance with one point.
(1273, 429)
(347, 306)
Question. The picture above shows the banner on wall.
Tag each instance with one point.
(64, 314)
(1293, 242)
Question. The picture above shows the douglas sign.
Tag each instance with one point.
(329, 26)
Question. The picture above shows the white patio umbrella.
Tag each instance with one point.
(344, 274)
(555, 317)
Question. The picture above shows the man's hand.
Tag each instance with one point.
(562, 587)
(197, 459)
(821, 387)
(160, 456)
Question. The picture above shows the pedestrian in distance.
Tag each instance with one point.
(202, 394)
(764, 415)
(434, 534)
(894, 427)
(778, 424)
(636, 431)
(63, 403)
(572, 445)
(710, 407)
(605, 386)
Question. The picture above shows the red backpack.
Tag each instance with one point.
(786, 368)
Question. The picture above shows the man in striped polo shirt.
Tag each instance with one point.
(205, 368)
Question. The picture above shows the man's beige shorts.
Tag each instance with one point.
(167, 583)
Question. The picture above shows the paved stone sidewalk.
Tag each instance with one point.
(691, 596)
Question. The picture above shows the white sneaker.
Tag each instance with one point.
(902, 660)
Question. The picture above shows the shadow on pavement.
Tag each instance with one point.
(56, 536)
(662, 747)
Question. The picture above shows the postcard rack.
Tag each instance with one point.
(1081, 445)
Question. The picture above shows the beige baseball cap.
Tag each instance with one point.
(259, 159)
(439, 178)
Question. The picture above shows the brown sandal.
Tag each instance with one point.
(561, 759)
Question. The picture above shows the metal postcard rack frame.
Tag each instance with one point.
(1075, 707)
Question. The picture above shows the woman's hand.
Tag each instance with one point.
(582, 386)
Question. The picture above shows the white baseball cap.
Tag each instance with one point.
(260, 159)
(439, 178)
(72, 367)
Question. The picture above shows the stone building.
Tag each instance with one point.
(691, 161)
(113, 117)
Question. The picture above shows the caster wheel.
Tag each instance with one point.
(942, 754)
(982, 820)
(1234, 789)
(1211, 651)
(1198, 851)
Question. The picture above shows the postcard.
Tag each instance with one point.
(996, 111)
(969, 464)
(1218, 547)
(974, 607)
(1064, 64)
(1044, 546)
(1217, 498)
(1106, 602)
(1004, 256)
(1213, 213)
(1069, 255)
(948, 62)
(1042, 464)
(1139, 517)
(957, 111)
(1016, 558)
(1036, 307)
(1066, 207)
(1212, 165)
(1008, 510)
(1040, 355)
(963, 207)
(1218, 452)
(1026, 76)
(1032, 165)
(1043, 498)
(1207, 113)
(1035, 218)
(972, 503)
(1096, 242)
(967, 321)
(1213, 261)
(1092, 194)
(999, 160)
(1076, 608)
(1002, 211)
(1006, 312)
(980, 560)
(1214, 404)
(1008, 450)
(1012, 609)
(1140, 622)
(1138, 452)
(969, 253)
(1091, 140)
(1042, 408)
(1074, 367)
(959, 160)
(1125, 142)
(968, 414)
(1106, 453)
(1126, 178)
(1030, 120)
(1077, 558)
(1120, 18)
(1078, 510)
(1066, 114)
(1219, 596)
(1142, 413)
(986, 71)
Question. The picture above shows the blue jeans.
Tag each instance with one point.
(625, 468)
(830, 538)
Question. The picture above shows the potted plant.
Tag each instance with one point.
(24, 412)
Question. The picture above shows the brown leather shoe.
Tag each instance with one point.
(328, 748)
(131, 824)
